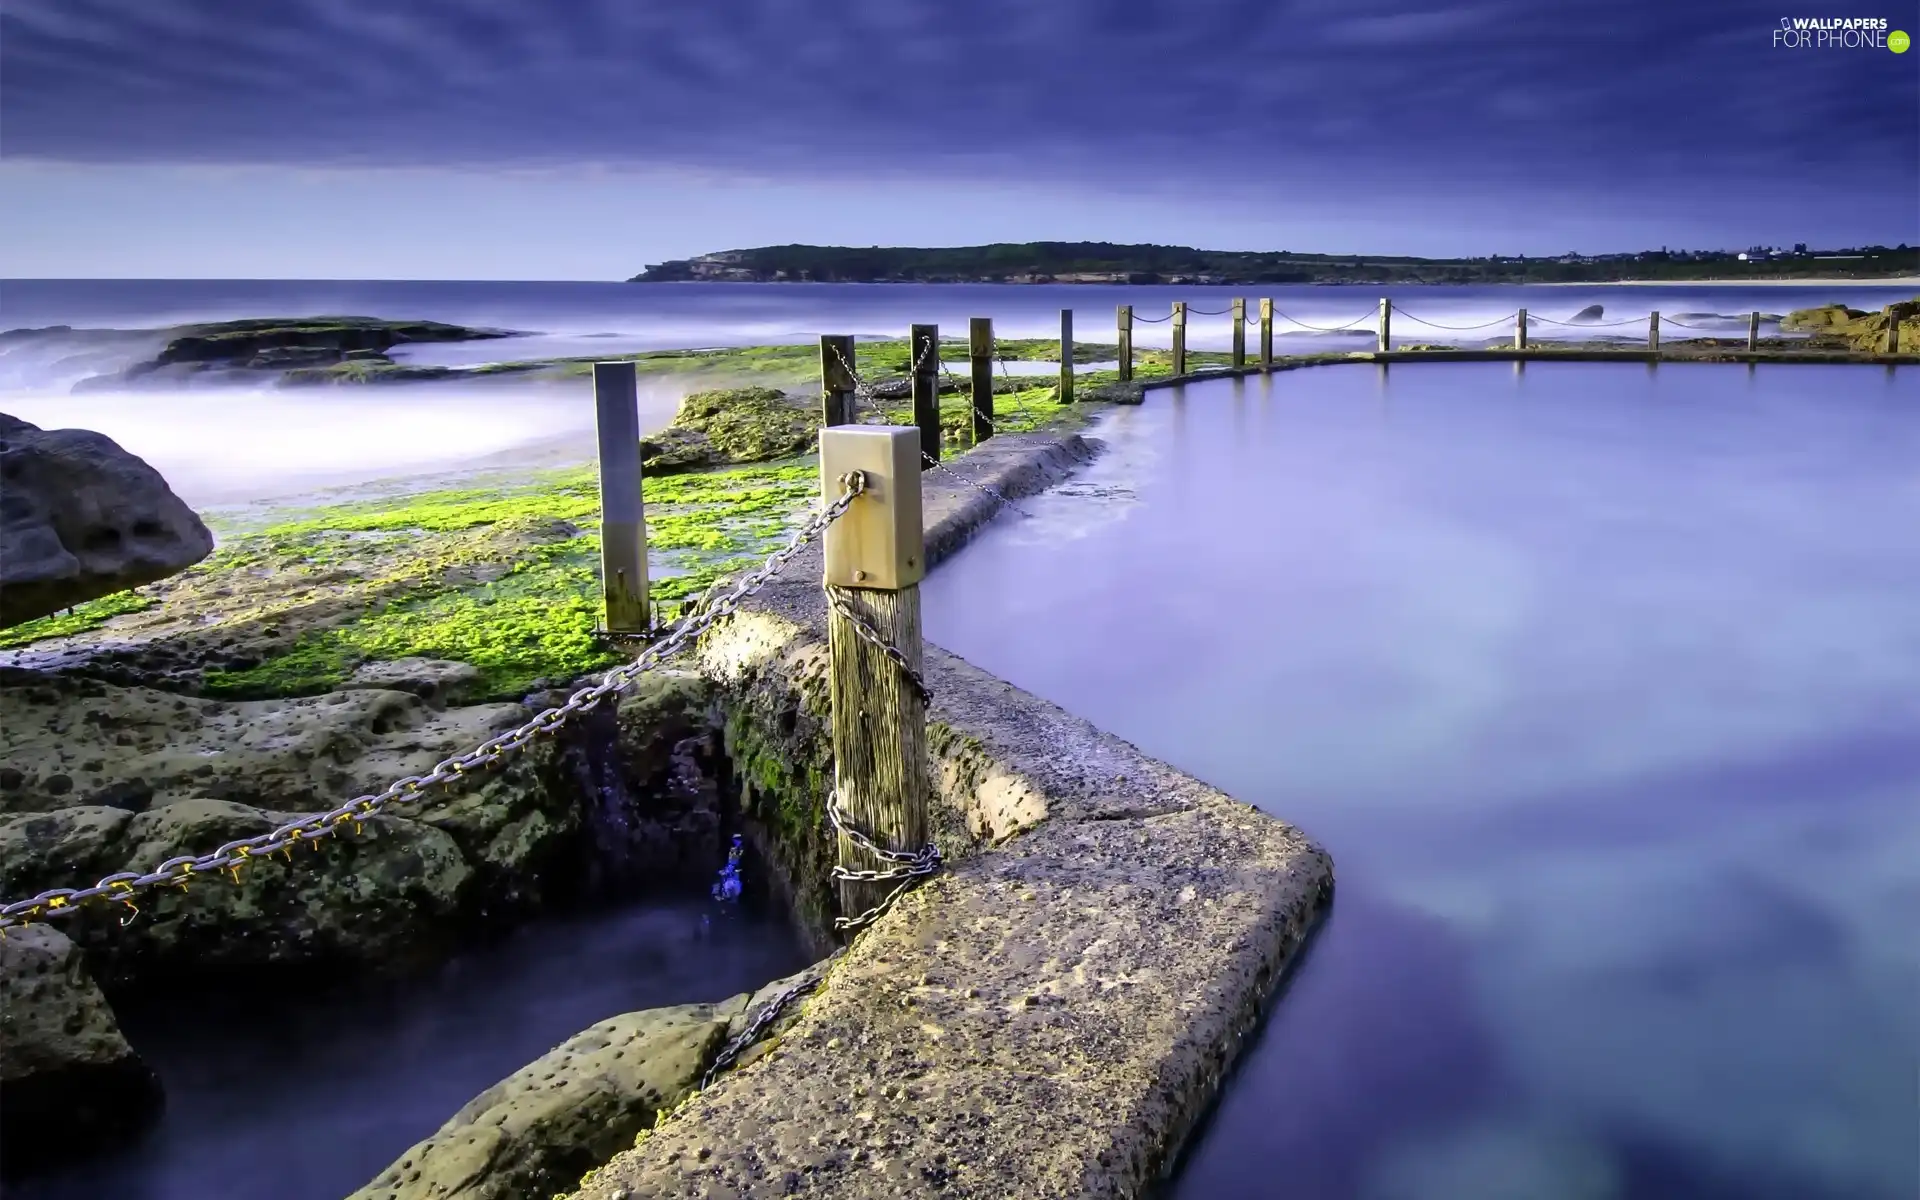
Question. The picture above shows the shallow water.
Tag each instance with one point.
(1599, 683)
(307, 1097)
(219, 444)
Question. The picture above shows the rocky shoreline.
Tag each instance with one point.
(317, 655)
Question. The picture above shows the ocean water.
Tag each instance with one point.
(1600, 684)
(220, 445)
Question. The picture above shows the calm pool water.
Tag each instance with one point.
(275, 1096)
(1601, 684)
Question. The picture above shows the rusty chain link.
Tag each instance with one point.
(767, 1015)
(182, 870)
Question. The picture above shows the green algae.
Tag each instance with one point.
(79, 619)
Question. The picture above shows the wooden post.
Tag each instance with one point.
(875, 558)
(923, 345)
(1239, 334)
(1266, 334)
(1126, 343)
(1386, 325)
(1893, 333)
(980, 352)
(1653, 331)
(1753, 331)
(836, 379)
(623, 521)
(1066, 356)
(1520, 330)
(1179, 337)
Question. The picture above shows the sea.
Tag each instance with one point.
(231, 444)
(1598, 681)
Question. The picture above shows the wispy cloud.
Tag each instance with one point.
(1582, 93)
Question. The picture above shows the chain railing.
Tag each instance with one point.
(229, 858)
(863, 391)
(1506, 320)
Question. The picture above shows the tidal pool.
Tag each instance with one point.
(1600, 683)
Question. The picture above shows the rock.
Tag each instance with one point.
(103, 778)
(436, 681)
(73, 1086)
(1588, 315)
(673, 450)
(1825, 316)
(536, 1132)
(753, 424)
(80, 518)
(274, 343)
(1117, 393)
(100, 778)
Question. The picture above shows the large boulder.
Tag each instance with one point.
(71, 1082)
(1588, 315)
(536, 1132)
(732, 425)
(80, 518)
(98, 778)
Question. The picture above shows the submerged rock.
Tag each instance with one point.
(80, 518)
(72, 1083)
(1588, 315)
(536, 1132)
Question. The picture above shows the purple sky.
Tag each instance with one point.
(585, 138)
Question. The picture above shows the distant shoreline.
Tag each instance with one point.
(1826, 281)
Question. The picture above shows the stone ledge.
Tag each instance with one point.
(1051, 1015)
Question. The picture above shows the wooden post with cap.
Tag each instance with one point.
(1266, 334)
(923, 344)
(623, 520)
(980, 359)
(1239, 334)
(1520, 330)
(836, 379)
(1179, 337)
(1066, 356)
(875, 556)
(1126, 343)
(1653, 331)
(1753, 331)
(1386, 326)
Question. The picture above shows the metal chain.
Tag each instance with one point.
(1152, 320)
(1327, 328)
(230, 857)
(1457, 328)
(768, 1014)
(1531, 317)
(985, 489)
(864, 628)
(909, 865)
(1208, 312)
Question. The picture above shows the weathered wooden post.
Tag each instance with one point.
(836, 379)
(1653, 331)
(1126, 343)
(1893, 331)
(1179, 337)
(1066, 356)
(875, 559)
(1386, 325)
(1753, 331)
(623, 521)
(1266, 334)
(923, 345)
(980, 354)
(1520, 330)
(1239, 334)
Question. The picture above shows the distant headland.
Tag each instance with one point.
(1108, 263)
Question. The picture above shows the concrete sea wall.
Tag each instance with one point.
(1048, 1016)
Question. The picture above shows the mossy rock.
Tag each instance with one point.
(732, 425)
(1826, 316)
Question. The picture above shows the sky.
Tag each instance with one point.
(585, 139)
